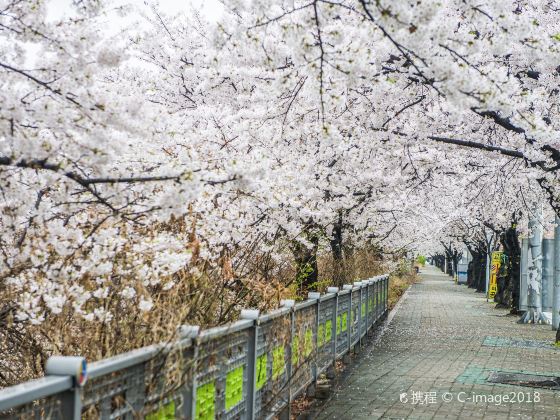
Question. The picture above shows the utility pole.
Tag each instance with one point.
(556, 288)
(534, 273)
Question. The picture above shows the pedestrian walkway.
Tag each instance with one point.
(438, 356)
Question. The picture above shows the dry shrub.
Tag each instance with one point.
(358, 264)
(205, 300)
(398, 283)
(211, 295)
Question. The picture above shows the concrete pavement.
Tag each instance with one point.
(439, 355)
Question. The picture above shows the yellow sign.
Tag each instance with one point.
(494, 269)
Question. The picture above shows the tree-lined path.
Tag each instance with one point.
(166, 163)
(445, 341)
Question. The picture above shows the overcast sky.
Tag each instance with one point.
(211, 9)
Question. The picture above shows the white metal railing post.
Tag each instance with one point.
(374, 300)
(333, 322)
(381, 296)
(289, 303)
(368, 316)
(377, 298)
(381, 286)
(349, 316)
(359, 284)
(187, 331)
(75, 367)
(72, 404)
(189, 408)
(317, 296)
(387, 297)
(386, 293)
(252, 314)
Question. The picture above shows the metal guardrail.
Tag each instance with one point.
(250, 369)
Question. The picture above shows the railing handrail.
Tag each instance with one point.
(32, 390)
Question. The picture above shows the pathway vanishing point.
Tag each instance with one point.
(446, 342)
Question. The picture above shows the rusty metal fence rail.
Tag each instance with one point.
(250, 369)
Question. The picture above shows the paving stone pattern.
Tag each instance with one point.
(446, 339)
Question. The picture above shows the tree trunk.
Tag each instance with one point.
(471, 266)
(337, 253)
(449, 262)
(456, 258)
(305, 258)
(508, 284)
(477, 267)
(439, 261)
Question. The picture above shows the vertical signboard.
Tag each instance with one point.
(494, 269)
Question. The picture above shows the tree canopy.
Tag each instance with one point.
(126, 157)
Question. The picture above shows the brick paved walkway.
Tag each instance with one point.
(446, 338)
